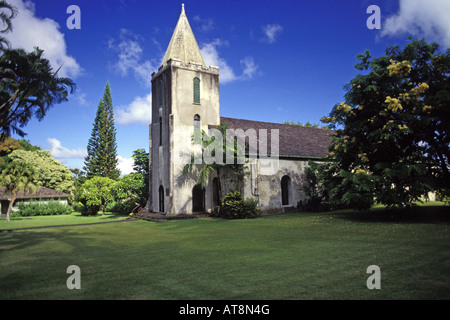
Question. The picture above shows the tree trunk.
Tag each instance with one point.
(8, 213)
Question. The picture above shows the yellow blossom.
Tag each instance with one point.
(427, 108)
(421, 88)
(363, 157)
(344, 107)
(393, 104)
(404, 97)
(400, 68)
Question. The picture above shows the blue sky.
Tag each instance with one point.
(279, 60)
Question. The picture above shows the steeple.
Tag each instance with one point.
(183, 45)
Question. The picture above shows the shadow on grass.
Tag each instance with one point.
(415, 214)
(106, 216)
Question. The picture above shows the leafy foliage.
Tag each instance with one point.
(392, 132)
(17, 176)
(235, 207)
(306, 124)
(35, 208)
(102, 147)
(95, 194)
(49, 172)
(7, 13)
(141, 167)
(102, 194)
(28, 88)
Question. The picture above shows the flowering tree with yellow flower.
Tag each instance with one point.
(392, 131)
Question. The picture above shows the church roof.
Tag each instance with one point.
(183, 46)
(294, 141)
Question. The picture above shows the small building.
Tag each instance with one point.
(43, 194)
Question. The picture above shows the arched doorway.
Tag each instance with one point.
(285, 190)
(198, 199)
(161, 199)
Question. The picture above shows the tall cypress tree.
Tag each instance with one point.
(102, 147)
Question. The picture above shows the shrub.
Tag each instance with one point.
(124, 206)
(251, 209)
(35, 208)
(235, 207)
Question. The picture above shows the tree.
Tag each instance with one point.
(392, 132)
(8, 145)
(102, 147)
(17, 176)
(130, 188)
(7, 13)
(306, 124)
(28, 88)
(95, 194)
(141, 167)
(50, 173)
(26, 145)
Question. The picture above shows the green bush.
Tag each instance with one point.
(35, 208)
(235, 207)
(251, 209)
(125, 207)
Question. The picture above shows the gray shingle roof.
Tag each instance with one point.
(41, 193)
(294, 141)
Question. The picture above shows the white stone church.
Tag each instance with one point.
(185, 97)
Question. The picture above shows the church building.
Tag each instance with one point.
(185, 98)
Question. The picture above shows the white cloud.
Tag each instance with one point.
(205, 24)
(250, 68)
(138, 111)
(211, 56)
(271, 31)
(60, 152)
(80, 98)
(30, 31)
(125, 165)
(129, 53)
(423, 19)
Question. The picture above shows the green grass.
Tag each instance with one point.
(286, 256)
(55, 220)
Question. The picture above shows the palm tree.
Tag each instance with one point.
(17, 176)
(28, 88)
(205, 169)
(7, 13)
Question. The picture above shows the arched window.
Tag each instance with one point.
(160, 131)
(161, 199)
(285, 190)
(196, 90)
(197, 129)
(197, 119)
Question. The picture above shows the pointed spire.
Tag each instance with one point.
(183, 45)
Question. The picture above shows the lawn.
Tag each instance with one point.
(58, 220)
(285, 256)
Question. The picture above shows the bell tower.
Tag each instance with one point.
(185, 96)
